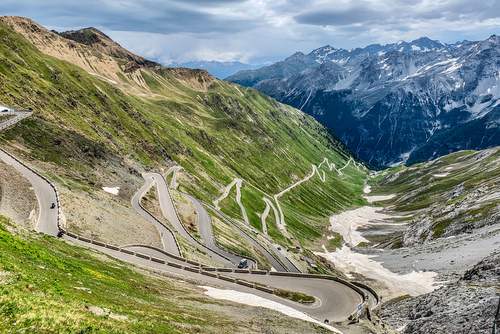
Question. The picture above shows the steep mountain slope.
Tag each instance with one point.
(446, 197)
(389, 103)
(467, 305)
(434, 226)
(115, 115)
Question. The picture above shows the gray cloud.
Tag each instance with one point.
(264, 30)
(338, 16)
(397, 11)
(132, 15)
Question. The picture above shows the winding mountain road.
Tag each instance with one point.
(166, 235)
(237, 183)
(48, 218)
(315, 170)
(270, 251)
(335, 300)
(169, 212)
(205, 228)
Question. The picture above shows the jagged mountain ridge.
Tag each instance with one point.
(97, 54)
(389, 103)
(99, 40)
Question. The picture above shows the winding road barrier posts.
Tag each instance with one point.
(53, 227)
(209, 271)
(264, 249)
(188, 233)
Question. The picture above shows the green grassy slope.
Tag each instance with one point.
(49, 286)
(453, 194)
(87, 131)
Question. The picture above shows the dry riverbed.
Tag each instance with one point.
(408, 270)
(354, 225)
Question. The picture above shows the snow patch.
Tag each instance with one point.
(112, 190)
(440, 175)
(486, 87)
(414, 283)
(2, 107)
(372, 199)
(253, 300)
(454, 66)
(347, 223)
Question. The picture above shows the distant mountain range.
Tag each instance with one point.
(406, 101)
(219, 69)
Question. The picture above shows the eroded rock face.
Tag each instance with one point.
(466, 306)
(487, 271)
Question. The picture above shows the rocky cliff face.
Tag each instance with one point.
(408, 101)
(466, 306)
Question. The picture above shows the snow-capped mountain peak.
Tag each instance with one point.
(386, 100)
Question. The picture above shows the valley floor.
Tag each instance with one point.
(355, 226)
(429, 285)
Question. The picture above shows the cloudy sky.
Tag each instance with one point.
(260, 31)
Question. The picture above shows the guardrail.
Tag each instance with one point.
(215, 240)
(370, 290)
(159, 222)
(179, 258)
(214, 272)
(45, 179)
(228, 219)
(360, 308)
(198, 267)
(184, 228)
(8, 123)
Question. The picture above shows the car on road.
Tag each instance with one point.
(243, 264)
(5, 110)
(53, 205)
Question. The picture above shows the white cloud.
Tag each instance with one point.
(263, 30)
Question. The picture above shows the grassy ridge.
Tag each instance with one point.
(455, 193)
(86, 130)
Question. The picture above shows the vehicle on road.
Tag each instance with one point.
(5, 110)
(243, 264)
(53, 205)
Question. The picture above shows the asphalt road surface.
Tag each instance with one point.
(334, 301)
(47, 221)
(169, 212)
(167, 237)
